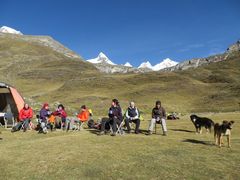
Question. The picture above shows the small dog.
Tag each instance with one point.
(222, 130)
(200, 122)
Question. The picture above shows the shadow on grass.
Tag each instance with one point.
(93, 131)
(194, 141)
(182, 130)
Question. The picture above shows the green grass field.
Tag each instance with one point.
(84, 155)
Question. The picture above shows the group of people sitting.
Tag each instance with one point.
(47, 119)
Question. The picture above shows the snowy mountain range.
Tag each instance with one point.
(5, 29)
(103, 59)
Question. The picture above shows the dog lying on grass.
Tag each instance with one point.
(221, 130)
(200, 122)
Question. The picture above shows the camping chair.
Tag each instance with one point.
(119, 128)
(29, 125)
(83, 123)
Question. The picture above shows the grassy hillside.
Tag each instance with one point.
(84, 155)
(42, 74)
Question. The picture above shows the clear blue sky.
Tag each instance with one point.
(130, 30)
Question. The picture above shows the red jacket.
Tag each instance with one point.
(61, 113)
(25, 114)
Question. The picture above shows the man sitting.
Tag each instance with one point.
(132, 115)
(158, 116)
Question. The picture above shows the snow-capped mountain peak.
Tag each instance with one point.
(5, 29)
(145, 65)
(127, 64)
(102, 58)
(166, 63)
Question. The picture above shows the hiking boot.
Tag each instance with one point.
(113, 134)
(13, 129)
(164, 133)
(101, 133)
(149, 133)
(136, 132)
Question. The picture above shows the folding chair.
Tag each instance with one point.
(120, 128)
(82, 123)
(29, 125)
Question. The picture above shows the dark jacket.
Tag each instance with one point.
(115, 112)
(158, 113)
(132, 113)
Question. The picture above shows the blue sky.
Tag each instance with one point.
(130, 30)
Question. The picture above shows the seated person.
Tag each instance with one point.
(132, 115)
(60, 112)
(84, 115)
(25, 116)
(158, 116)
(44, 115)
(115, 117)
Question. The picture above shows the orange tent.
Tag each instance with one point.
(11, 102)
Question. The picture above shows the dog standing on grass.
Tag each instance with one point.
(221, 130)
(200, 122)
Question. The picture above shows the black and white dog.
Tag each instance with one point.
(200, 122)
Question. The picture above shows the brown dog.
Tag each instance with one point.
(221, 130)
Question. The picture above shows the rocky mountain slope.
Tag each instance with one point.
(42, 74)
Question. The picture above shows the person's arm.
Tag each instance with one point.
(120, 113)
(110, 113)
(63, 113)
(137, 116)
(164, 113)
(153, 114)
(30, 113)
(127, 115)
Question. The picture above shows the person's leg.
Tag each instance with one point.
(152, 124)
(137, 122)
(164, 126)
(26, 124)
(114, 125)
(63, 123)
(44, 127)
(127, 120)
(17, 127)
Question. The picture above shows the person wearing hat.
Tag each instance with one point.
(25, 116)
(115, 117)
(158, 116)
(44, 115)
